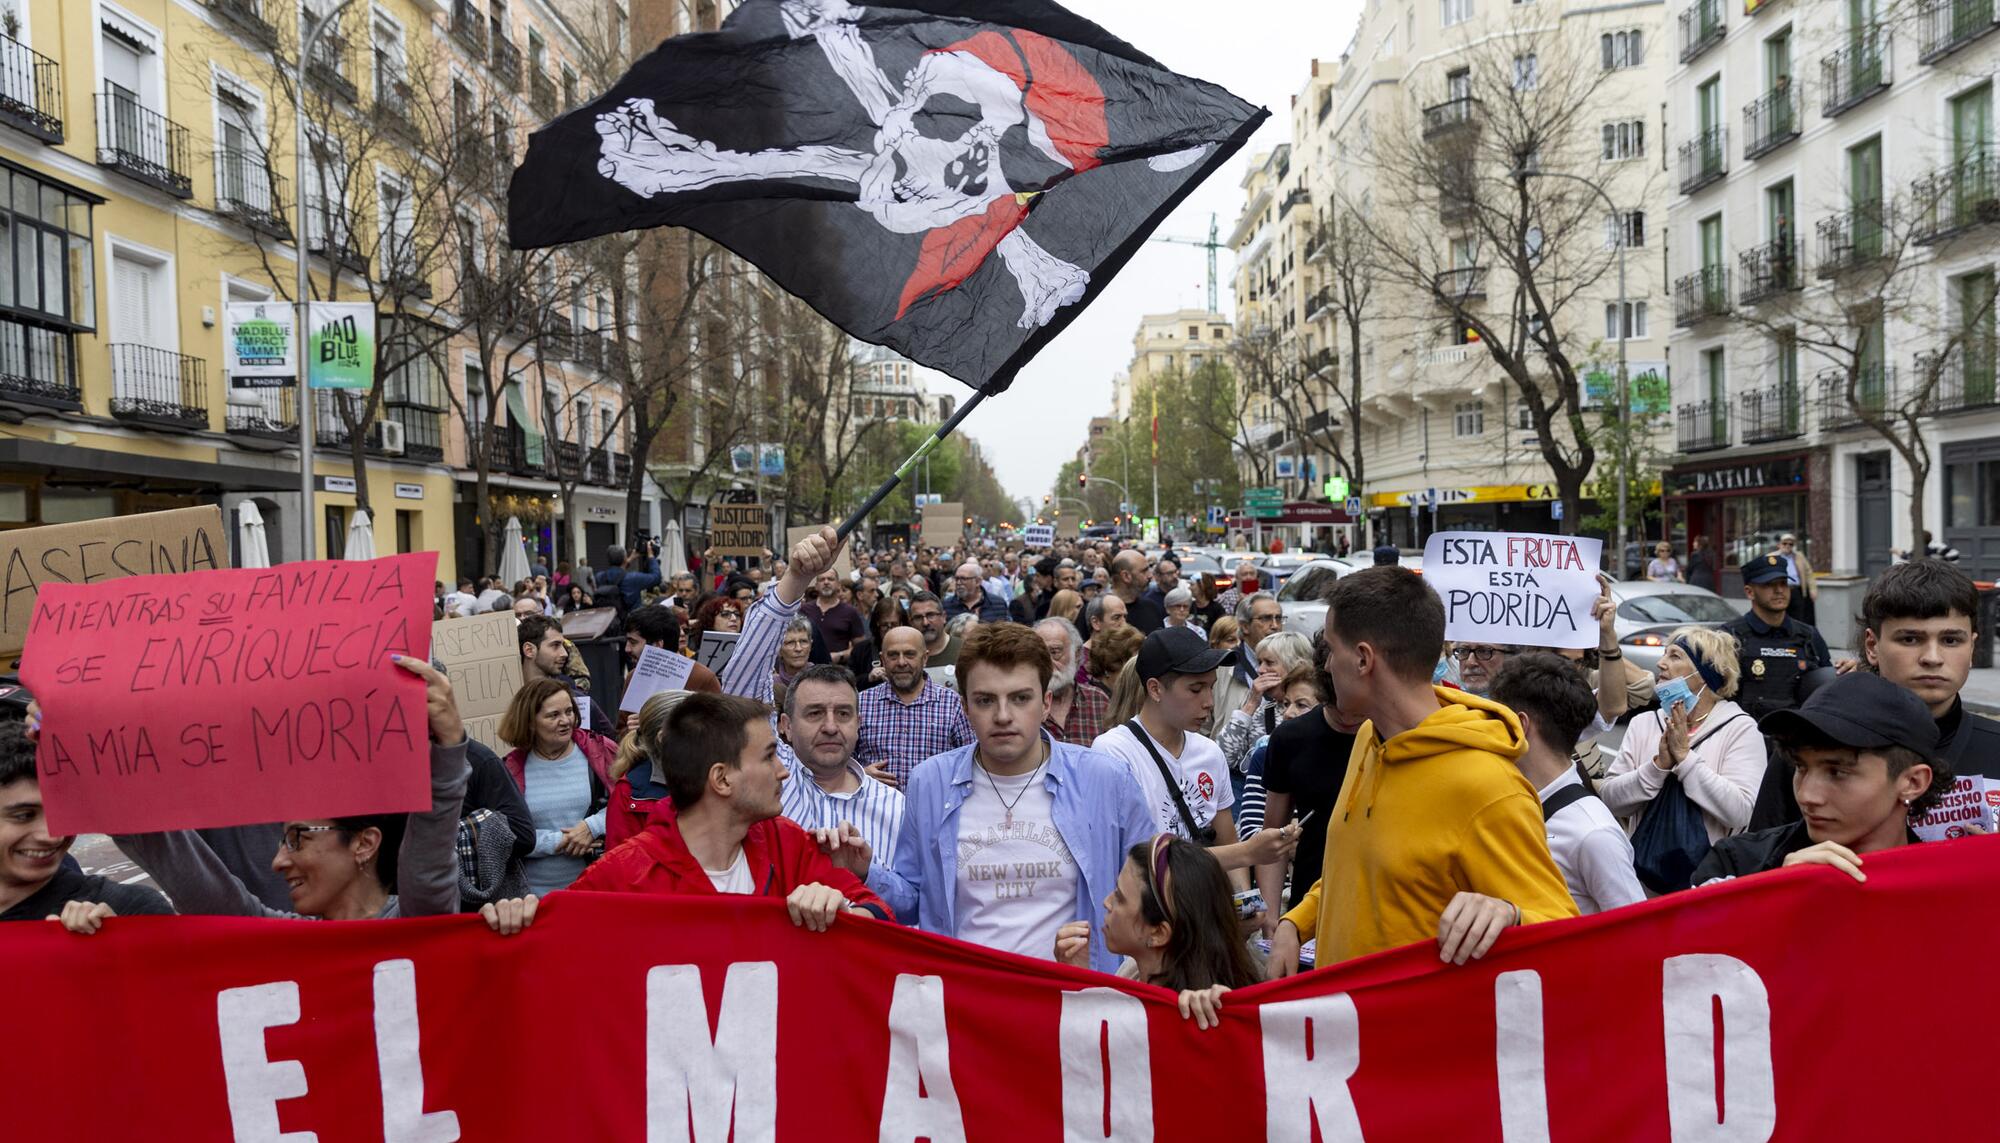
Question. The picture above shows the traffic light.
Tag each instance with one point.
(1045, 499)
(1083, 480)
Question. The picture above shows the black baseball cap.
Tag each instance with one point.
(1179, 651)
(1860, 710)
(1767, 569)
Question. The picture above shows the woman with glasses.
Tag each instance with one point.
(1172, 918)
(718, 614)
(337, 869)
(564, 774)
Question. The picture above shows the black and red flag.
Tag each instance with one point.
(955, 179)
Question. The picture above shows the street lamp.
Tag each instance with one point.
(1624, 330)
(311, 30)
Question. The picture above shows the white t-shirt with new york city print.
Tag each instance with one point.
(1203, 774)
(1017, 882)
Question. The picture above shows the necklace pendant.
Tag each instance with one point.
(1009, 822)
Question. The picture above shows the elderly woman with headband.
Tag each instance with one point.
(1698, 735)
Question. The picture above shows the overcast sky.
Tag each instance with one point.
(1262, 50)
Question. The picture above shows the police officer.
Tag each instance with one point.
(1776, 650)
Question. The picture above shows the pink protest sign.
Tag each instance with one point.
(231, 697)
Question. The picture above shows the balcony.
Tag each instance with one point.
(1701, 28)
(329, 67)
(30, 91)
(1463, 283)
(423, 431)
(542, 94)
(158, 387)
(248, 18)
(1320, 304)
(506, 60)
(38, 366)
(142, 144)
(1320, 361)
(1851, 239)
(1764, 272)
(1774, 413)
(1704, 159)
(1701, 295)
(247, 191)
(1847, 402)
(1297, 197)
(1319, 245)
(1451, 115)
(1854, 73)
(507, 451)
(1958, 198)
(406, 281)
(328, 234)
(1966, 383)
(1702, 426)
(468, 27)
(274, 417)
(392, 102)
(1771, 121)
(1949, 25)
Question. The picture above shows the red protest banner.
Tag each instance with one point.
(230, 697)
(1797, 1005)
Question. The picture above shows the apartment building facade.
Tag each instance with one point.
(1833, 255)
(1447, 440)
(148, 151)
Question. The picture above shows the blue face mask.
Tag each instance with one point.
(1675, 691)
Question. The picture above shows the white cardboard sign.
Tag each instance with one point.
(1039, 535)
(659, 670)
(1969, 802)
(1515, 587)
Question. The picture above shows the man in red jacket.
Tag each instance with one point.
(726, 834)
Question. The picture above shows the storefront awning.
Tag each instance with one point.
(517, 409)
(102, 466)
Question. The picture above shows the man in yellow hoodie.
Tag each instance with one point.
(1435, 832)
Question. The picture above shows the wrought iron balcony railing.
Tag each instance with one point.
(1852, 74)
(142, 144)
(1846, 402)
(158, 386)
(247, 190)
(1773, 413)
(1702, 426)
(1959, 197)
(1949, 25)
(1451, 115)
(1764, 272)
(1704, 159)
(1771, 121)
(1851, 239)
(1701, 295)
(30, 91)
(1701, 26)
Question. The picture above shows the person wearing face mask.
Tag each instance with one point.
(1170, 917)
(1698, 744)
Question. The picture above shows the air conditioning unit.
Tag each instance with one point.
(392, 437)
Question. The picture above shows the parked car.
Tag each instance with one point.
(1282, 566)
(1648, 613)
(1302, 599)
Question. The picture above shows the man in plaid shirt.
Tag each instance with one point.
(1077, 709)
(908, 718)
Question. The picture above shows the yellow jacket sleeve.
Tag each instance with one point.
(1506, 855)
(1305, 915)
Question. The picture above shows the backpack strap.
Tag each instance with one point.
(1169, 777)
(1563, 799)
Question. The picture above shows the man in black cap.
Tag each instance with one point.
(1387, 556)
(1182, 773)
(1776, 650)
(1862, 751)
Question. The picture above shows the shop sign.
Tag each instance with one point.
(409, 492)
(337, 484)
(600, 511)
(1778, 472)
(1476, 494)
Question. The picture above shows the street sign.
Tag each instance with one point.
(1430, 497)
(1264, 511)
(1555, 509)
(1263, 495)
(1354, 506)
(1216, 513)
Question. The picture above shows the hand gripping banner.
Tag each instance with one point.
(1797, 1005)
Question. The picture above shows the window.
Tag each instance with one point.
(1621, 50)
(399, 227)
(538, 50)
(1634, 229)
(1527, 72)
(1635, 321)
(1468, 419)
(1524, 417)
(1715, 377)
(1625, 139)
(1194, 333)
(387, 43)
(1710, 234)
(568, 86)
(1454, 12)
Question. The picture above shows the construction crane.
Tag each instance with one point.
(1212, 245)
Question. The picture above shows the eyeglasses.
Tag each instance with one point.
(292, 835)
(1480, 654)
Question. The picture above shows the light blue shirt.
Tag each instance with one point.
(558, 796)
(1098, 809)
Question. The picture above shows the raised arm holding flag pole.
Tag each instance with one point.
(953, 179)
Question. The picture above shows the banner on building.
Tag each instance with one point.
(257, 348)
(231, 697)
(738, 529)
(742, 458)
(340, 347)
(1750, 1010)
(770, 460)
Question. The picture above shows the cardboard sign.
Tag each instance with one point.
(482, 657)
(1515, 587)
(738, 529)
(153, 543)
(843, 564)
(943, 524)
(659, 670)
(1970, 802)
(716, 647)
(1038, 535)
(233, 697)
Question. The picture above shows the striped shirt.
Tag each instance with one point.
(873, 808)
(901, 735)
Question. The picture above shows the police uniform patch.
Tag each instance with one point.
(1757, 667)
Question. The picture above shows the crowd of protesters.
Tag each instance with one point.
(1080, 755)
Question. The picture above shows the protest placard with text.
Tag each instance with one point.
(715, 649)
(482, 657)
(1515, 587)
(659, 670)
(232, 697)
(1038, 535)
(151, 543)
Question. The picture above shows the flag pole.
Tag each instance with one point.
(916, 458)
